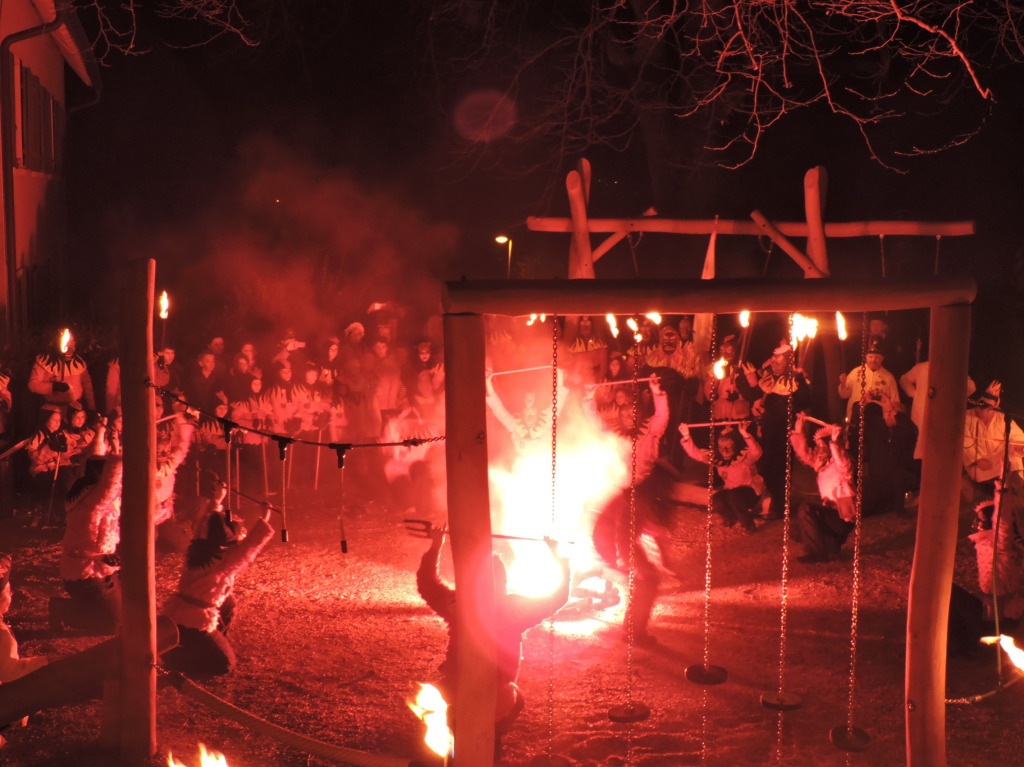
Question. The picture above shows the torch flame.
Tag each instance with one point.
(613, 324)
(840, 326)
(533, 319)
(632, 324)
(431, 708)
(165, 305)
(653, 317)
(745, 318)
(65, 340)
(206, 759)
(803, 327)
(1015, 653)
(719, 368)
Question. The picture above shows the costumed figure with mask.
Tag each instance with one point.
(61, 376)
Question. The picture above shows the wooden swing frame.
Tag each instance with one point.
(465, 304)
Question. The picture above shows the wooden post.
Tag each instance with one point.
(137, 714)
(932, 573)
(469, 520)
(581, 260)
(769, 230)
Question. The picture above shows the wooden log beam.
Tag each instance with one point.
(469, 521)
(137, 699)
(616, 238)
(73, 679)
(726, 226)
(815, 183)
(769, 230)
(598, 297)
(931, 575)
(581, 260)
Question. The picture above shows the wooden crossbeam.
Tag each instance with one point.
(726, 227)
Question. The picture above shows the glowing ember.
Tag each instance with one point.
(803, 327)
(1015, 653)
(719, 368)
(841, 326)
(653, 317)
(745, 318)
(431, 708)
(613, 324)
(206, 759)
(165, 305)
(65, 340)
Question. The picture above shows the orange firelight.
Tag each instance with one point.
(719, 368)
(1015, 653)
(653, 317)
(841, 326)
(65, 340)
(432, 709)
(165, 305)
(613, 324)
(745, 318)
(206, 759)
(802, 328)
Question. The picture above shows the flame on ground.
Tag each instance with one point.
(430, 707)
(165, 305)
(206, 759)
(1015, 653)
(65, 340)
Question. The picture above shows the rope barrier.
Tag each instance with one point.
(301, 742)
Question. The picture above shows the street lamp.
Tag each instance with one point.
(501, 240)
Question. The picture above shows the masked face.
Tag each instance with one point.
(669, 341)
(779, 363)
(729, 352)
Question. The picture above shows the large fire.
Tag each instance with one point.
(206, 759)
(432, 709)
(1015, 653)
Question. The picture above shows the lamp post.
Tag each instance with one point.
(501, 240)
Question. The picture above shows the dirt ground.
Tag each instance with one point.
(331, 645)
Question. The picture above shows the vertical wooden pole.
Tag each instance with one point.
(581, 259)
(932, 573)
(469, 520)
(137, 714)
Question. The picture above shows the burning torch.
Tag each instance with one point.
(165, 306)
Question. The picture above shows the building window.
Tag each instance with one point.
(42, 126)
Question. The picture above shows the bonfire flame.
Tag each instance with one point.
(206, 759)
(165, 305)
(719, 368)
(431, 708)
(65, 340)
(803, 327)
(1015, 653)
(613, 324)
(745, 318)
(841, 326)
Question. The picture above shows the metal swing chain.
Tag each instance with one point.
(631, 566)
(554, 467)
(786, 523)
(707, 552)
(855, 585)
(938, 252)
(881, 249)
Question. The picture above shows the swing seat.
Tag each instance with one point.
(851, 739)
(706, 675)
(782, 701)
(629, 713)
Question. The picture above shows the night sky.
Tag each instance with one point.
(329, 156)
